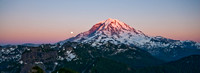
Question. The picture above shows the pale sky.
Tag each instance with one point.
(50, 21)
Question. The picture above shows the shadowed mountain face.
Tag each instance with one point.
(117, 32)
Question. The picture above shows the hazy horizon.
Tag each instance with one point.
(23, 21)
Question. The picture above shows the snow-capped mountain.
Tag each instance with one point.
(117, 32)
(111, 30)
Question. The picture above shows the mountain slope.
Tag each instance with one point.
(89, 55)
(104, 65)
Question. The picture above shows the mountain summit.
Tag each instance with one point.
(112, 25)
(117, 32)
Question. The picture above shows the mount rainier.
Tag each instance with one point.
(117, 32)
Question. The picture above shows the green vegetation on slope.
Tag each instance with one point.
(188, 64)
